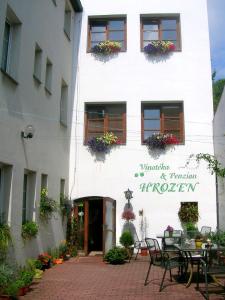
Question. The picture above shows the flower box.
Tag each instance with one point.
(103, 143)
(159, 47)
(161, 140)
(107, 48)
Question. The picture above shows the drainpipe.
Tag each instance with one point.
(217, 205)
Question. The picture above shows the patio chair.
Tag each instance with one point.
(172, 239)
(162, 259)
(138, 245)
(213, 265)
(205, 230)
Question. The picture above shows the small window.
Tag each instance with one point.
(37, 63)
(11, 45)
(64, 104)
(162, 118)
(160, 29)
(62, 187)
(5, 191)
(67, 20)
(102, 30)
(102, 118)
(44, 181)
(29, 185)
(48, 76)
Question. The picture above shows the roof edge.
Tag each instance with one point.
(77, 5)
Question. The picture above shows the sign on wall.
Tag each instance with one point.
(168, 181)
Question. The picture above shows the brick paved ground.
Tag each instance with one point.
(90, 278)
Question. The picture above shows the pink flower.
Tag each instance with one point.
(128, 215)
(169, 228)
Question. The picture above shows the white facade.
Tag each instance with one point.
(25, 100)
(131, 78)
(219, 133)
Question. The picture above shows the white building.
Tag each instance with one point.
(219, 135)
(133, 95)
(37, 78)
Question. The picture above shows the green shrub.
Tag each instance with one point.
(126, 239)
(218, 237)
(26, 276)
(29, 230)
(116, 256)
(47, 206)
(5, 239)
(7, 275)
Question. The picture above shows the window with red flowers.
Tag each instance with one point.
(102, 118)
(160, 29)
(162, 118)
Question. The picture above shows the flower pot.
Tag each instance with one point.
(144, 251)
(198, 244)
(21, 291)
(57, 261)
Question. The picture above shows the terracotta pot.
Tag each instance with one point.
(144, 251)
(22, 291)
(58, 261)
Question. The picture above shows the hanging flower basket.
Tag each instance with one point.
(159, 47)
(160, 141)
(103, 143)
(128, 215)
(107, 47)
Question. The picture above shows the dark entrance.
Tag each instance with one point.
(95, 236)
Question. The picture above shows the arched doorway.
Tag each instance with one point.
(96, 222)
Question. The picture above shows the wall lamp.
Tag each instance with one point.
(28, 132)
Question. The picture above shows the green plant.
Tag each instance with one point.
(217, 238)
(191, 230)
(65, 206)
(73, 251)
(188, 213)
(13, 288)
(115, 256)
(34, 263)
(29, 230)
(126, 239)
(63, 249)
(26, 276)
(47, 205)
(7, 275)
(54, 253)
(5, 239)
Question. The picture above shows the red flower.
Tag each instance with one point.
(128, 215)
(172, 47)
(171, 140)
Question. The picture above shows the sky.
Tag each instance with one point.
(216, 15)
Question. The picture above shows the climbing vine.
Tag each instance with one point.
(213, 164)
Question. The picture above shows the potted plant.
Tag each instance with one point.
(7, 276)
(188, 213)
(160, 141)
(107, 48)
(127, 241)
(102, 144)
(116, 256)
(29, 230)
(128, 215)
(47, 205)
(159, 47)
(45, 260)
(170, 230)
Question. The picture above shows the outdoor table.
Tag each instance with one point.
(194, 256)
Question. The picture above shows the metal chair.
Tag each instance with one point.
(171, 239)
(138, 245)
(213, 265)
(162, 259)
(205, 230)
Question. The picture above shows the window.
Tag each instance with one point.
(44, 181)
(111, 29)
(64, 104)
(54, 1)
(67, 20)
(11, 45)
(160, 29)
(5, 191)
(29, 183)
(162, 118)
(62, 187)
(100, 118)
(48, 76)
(37, 63)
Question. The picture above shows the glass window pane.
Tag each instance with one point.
(151, 35)
(116, 35)
(153, 113)
(97, 37)
(152, 124)
(169, 35)
(98, 27)
(150, 26)
(169, 24)
(171, 110)
(145, 43)
(116, 25)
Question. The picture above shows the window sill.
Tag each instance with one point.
(90, 51)
(48, 90)
(37, 79)
(10, 77)
(67, 35)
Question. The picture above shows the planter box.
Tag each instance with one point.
(144, 251)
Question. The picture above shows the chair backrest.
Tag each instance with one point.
(205, 230)
(175, 237)
(154, 251)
